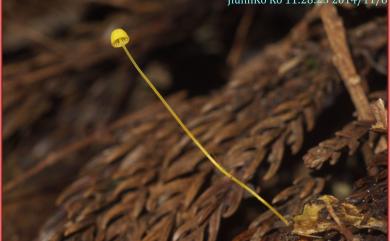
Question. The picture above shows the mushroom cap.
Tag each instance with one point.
(119, 38)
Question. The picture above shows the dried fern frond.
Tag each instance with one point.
(346, 140)
(152, 184)
(349, 139)
(59, 93)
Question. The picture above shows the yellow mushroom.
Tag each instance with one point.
(119, 39)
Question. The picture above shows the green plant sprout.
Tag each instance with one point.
(119, 39)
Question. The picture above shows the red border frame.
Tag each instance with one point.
(388, 117)
(1, 116)
(1, 119)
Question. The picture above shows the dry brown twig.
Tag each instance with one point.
(380, 113)
(343, 61)
(241, 35)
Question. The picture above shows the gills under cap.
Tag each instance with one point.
(119, 38)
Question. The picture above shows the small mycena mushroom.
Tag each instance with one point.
(119, 39)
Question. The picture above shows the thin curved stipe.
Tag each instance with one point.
(119, 39)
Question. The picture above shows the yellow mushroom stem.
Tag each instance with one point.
(119, 39)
